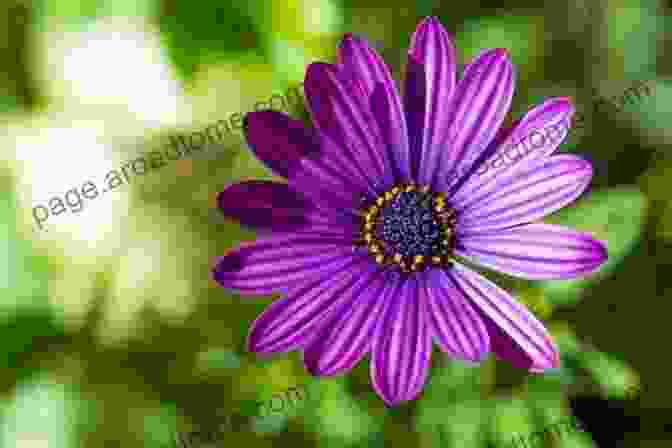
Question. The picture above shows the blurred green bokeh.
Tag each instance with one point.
(112, 332)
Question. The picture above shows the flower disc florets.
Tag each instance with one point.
(410, 227)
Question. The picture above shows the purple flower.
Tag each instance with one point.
(368, 237)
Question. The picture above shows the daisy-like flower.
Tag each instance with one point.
(369, 238)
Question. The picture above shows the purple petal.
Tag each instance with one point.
(481, 101)
(276, 263)
(528, 192)
(272, 206)
(538, 134)
(515, 333)
(346, 339)
(402, 346)
(361, 62)
(292, 322)
(535, 251)
(329, 184)
(340, 110)
(278, 141)
(457, 328)
(430, 81)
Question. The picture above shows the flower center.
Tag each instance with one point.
(410, 227)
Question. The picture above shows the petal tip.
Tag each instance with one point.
(219, 199)
(588, 168)
(231, 262)
(258, 118)
(546, 365)
(316, 371)
(566, 99)
(311, 362)
(311, 367)
(503, 52)
(602, 252)
(429, 23)
(501, 56)
(255, 341)
(352, 39)
(391, 402)
(313, 69)
(393, 399)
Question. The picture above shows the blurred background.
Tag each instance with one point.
(112, 332)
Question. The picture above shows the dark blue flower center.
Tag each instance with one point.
(410, 227)
(407, 225)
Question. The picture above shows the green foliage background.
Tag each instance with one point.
(116, 336)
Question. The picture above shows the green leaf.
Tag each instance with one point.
(615, 216)
(551, 412)
(555, 381)
(515, 33)
(212, 32)
(23, 280)
(454, 424)
(42, 413)
(653, 109)
(548, 408)
(633, 27)
(79, 13)
(616, 378)
(456, 382)
(291, 60)
(510, 418)
(248, 408)
(295, 401)
(9, 102)
(577, 440)
(451, 410)
(160, 427)
(26, 337)
(340, 419)
(28, 327)
(218, 359)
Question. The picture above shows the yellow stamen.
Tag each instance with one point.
(372, 214)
